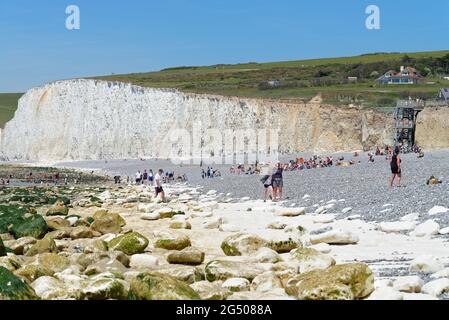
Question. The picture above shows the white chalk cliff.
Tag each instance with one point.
(89, 119)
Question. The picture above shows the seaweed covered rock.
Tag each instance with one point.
(13, 288)
(172, 242)
(42, 246)
(104, 287)
(340, 282)
(33, 226)
(52, 261)
(242, 244)
(32, 272)
(11, 215)
(159, 286)
(130, 243)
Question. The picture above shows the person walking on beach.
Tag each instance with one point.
(277, 182)
(158, 183)
(266, 181)
(145, 177)
(138, 177)
(150, 177)
(395, 165)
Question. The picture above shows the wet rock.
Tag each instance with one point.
(157, 286)
(129, 244)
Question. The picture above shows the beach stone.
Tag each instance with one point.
(223, 270)
(185, 273)
(32, 272)
(438, 210)
(105, 265)
(34, 226)
(172, 242)
(104, 287)
(242, 244)
(236, 284)
(42, 246)
(444, 231)
(228, 227)
(150, 216)
(321, 210)
(335, 237)
(210, 290)
(325, 218)
(285, 245)
(436, 287)
(444, 273)
(212, 223)
(180, 224)
(57, 223)
(397, 226)
(340, 282)
(58, 209)
(322, 247)
(346, 210)
(378, 283)
(50, 288)
(386, 293)
(409, 284)
(426, 229)
(14, 288)
(188, 256)
(81, 232)
(425, 264)
(309, 259)
(267, 255)
(130, 243)
(107, 222)
(143, 261)
(276, 225)
(418, 296)
(266, 281)
(165, 213)
(52, 261)
(87, 246)
(157, 286)
(291, 212)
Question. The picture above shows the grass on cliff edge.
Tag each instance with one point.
(8, 105)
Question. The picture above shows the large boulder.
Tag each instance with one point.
(341, 282)
(32, 272)
(308, 259)
(107, 222)
(50, 288)
(57, 223)
(13, 288)
(130, 243)
(224, 269)
(81, 232)
(33, 226)
(158, 286)
(52, 261)
(104, 287)
(189, 256)
(242, 244)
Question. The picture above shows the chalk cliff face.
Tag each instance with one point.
(88, 119)
(432, 128)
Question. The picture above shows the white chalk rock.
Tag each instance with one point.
(438, 210)
(380, 283)
(354, 217)
(306, 196)
(211, 192)
(444, 231)
(346, 210)
(228, 227)
(150, 216)
(236, 284)
(410, 284)
(418, 296)
(441, 274)
(267, 255)
(320, 210)
(322, 247)
(436, 287)
(143, 261)
(410, 217)
(426, 229)
(245, 199)
(324, 218)
(397, 226)
(265, 282)
(212, 223)
(426, 264)
(386, 293)
(202, 214)
(291, 212)
(335, 236)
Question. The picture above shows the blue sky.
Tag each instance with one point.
(144, 35)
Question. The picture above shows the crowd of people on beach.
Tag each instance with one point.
(147, 177)
(210, 173)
